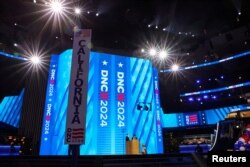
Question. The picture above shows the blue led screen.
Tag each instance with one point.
(116, 85)
(10, 109)
(205, 117)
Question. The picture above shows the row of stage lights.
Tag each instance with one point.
(165, 29)
(208, 98)
(162, 54)
(58, 7)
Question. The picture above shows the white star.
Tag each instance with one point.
(120, 64)
(104, 63)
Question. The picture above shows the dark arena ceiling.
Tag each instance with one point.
(193, 32)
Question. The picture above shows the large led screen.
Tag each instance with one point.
(116, 86)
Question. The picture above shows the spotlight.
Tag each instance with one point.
(190, 99)
(97, 14)
(78, 11)
(163, 54)
(15, 44)
(198, 81)
(214, 97)
(56, 6)
(198, 99)
(239, 13)
(164, 29)
(175, 67)
(156, 27)
(142, 50)
(222, 77)
(205, 96)
(35, 60)
(149, 25)
(152, 52)
(88, 12)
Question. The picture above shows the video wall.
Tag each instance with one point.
(10, 109)
(116, 85)
(205, 117)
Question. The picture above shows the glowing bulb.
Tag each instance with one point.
(163, 54)
(56, 6)
(35, 59)
(78, 11)
(152, 52)
(175, 67)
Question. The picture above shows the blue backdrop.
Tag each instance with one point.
(116, 86)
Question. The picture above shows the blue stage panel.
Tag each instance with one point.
(10, 109)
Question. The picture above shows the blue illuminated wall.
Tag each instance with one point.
(205, 117)
(116, 85)
(10, 109)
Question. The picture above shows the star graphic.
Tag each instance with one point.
(104, 63)
(120, 64)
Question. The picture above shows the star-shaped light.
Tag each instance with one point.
(120, 64)
(104, 63)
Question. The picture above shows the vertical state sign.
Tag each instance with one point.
(78, 89)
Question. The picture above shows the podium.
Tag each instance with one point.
(133, 147)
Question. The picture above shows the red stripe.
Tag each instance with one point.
(74, 137)
(77, 133)
(79, 129)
